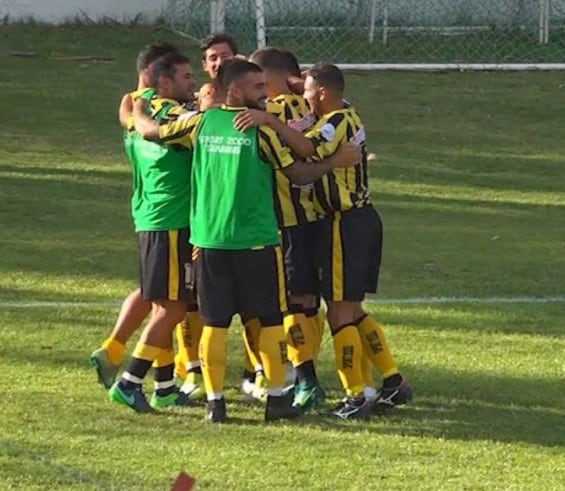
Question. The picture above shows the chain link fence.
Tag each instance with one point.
(386, 31)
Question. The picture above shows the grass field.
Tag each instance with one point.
(470, 182)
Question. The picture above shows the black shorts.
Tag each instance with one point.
(300, 244)
(350, 254)
(164, 263)
(246, 282)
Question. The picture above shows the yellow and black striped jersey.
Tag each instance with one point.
(293, 204)
(184, 131)
(344, 188)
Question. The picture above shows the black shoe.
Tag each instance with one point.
(389, 397)
(354, 408)
(216, 412)
(280, 407)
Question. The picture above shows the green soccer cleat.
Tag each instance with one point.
(175, 398)
(308, 395)
(193, 387)
(106, 371)
(132, 397)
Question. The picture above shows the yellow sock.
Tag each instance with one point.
(213, 348)
(317, 320)
(272, 346)
(115, 349)
(164, 358)
(376, 346)
(367, 371)
(181, 356)
(192, 333)
(299, 337)
(251, 340)
(348, 354)
(146, 352)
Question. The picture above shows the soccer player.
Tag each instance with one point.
(351, 249)
(297, 221)
(161, 222)
(350, 246)
(107, 359)
(216, 49)
(234, 227)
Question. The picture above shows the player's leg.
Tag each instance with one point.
(191, 332)
(262, 294)
(395, 389)
(302, 333)
(163, 256)
(253, 382)
(217, 301)
(343, 294)
(108, 358)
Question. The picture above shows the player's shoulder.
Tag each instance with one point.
(146, 93)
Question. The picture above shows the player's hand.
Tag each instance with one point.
(249, 119)
(347, 155)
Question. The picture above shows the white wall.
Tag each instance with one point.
(59, 10)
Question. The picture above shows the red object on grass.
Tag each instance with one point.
(184, 482)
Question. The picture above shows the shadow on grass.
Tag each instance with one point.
(482, 319)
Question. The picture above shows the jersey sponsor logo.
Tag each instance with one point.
(328, 132)
(224, 144)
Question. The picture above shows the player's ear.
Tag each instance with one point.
(322, 93)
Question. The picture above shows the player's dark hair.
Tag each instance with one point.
(165, 66)
(328, 76)
(291, 62)
(270, 59)
(148, 54)
(232, 70)
(213, 39)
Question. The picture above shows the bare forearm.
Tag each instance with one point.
(301, 145)
(301, 172)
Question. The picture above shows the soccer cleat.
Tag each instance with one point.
(280, 407)
(132, 397)
(352, 408)
(175, 398)
(308, 395)
(388, 398)
(216, 412)
(106, 371)
(193, 386)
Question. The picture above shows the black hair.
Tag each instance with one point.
(328, 76)
(165, 66)
(270, 59)
(148, 54)
(232, 70)
(218, 38)
(291, 62)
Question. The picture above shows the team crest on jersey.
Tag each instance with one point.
(328, 132)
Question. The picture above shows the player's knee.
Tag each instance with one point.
(341, 313)
(172, 310)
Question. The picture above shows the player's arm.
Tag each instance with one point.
(249, 118)
(180, 131)
(302, 172)
(298, 171)
(125, 111)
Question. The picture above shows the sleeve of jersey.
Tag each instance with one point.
(273, 150)
(182, 131)
(328, 136)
